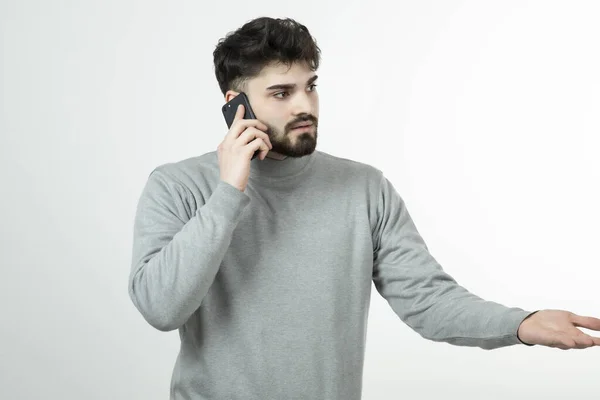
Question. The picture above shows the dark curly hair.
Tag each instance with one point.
(242, 54)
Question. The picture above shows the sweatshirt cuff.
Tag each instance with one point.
(227, 202)
(527, 316)
(512, 320)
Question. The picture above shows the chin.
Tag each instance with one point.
(301, 153)
(301, 150)
(302, 145)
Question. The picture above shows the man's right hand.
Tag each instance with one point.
(235, 152)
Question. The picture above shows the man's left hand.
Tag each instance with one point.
(558, 328)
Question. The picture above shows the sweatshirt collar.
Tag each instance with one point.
(273, 169)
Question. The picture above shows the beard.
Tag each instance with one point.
(294, 144)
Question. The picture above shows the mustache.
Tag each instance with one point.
(303, 118)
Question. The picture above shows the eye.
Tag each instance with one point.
(278, 95)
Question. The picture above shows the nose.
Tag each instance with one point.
(302, 104)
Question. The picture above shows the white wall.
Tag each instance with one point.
(484, 115)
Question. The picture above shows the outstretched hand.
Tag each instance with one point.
(558, 328)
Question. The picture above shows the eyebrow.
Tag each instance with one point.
(289, 86)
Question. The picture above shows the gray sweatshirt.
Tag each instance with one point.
(270, 288)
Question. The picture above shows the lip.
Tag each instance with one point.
(306, 128)
(303, 126)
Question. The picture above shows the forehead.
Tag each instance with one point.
(273, 74)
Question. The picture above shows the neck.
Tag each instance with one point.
(276, 156)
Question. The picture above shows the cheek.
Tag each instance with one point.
(279, 124)
(280, 128)
(276, 129)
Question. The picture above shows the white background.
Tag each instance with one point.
(483, 114)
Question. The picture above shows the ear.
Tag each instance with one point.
(230, 95)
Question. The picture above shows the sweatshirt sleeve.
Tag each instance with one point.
(176, 258)
(425, 297)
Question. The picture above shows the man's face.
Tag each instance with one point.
(282, 98)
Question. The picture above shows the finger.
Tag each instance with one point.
(586, 322)
(239, 113)
(261, 134)
(595, 340)
(583, 341)
(251, 133)
(238, 119)
(560, 340)
(248, 122)
(255, 123)
(258, 144)
(235, 129)
(575, 339)
(239, 126)
(264, 137)
(567, 343)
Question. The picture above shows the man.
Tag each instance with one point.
(265, 265)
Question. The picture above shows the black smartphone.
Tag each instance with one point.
(230, 109)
